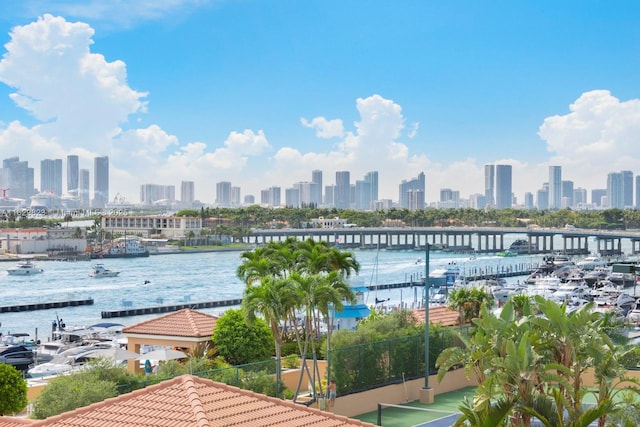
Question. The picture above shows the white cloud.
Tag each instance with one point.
(325, 128)
(599, 135)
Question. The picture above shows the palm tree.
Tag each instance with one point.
(467, 301)
(272, 299)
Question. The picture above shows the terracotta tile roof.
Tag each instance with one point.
(439, 315)
(182, 323)
(8, 421)
(191, 401)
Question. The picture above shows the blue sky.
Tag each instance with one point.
(259, 93)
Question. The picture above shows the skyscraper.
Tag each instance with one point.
(223, 193)
(615, 195)
(555, 187)
(187, 193)
(372, 179)
(567, 194)
(413, 200)
(363, 195)
(504, 192)
(51, 176)
(83, 187)
(489, 185)
(100, 181)
(73, 170)
(18, 178)
(637, 191)
(316, 190)
(342, 194)
(627, 189)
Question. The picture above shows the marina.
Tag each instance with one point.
(145, 285)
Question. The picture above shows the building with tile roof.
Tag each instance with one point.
(185, 329)
(440, 315)
(187, 401)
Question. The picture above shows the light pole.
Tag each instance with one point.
(426, 393)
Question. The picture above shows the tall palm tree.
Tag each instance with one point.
(272, 299)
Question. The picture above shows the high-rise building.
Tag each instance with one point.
(152, 194)
(328, 195)
(292, 197)
(504, 192)
(100, 181)
(528, 200)
(615, 194)
(51, 176)
(567, 194)
(413, 185)
(363, 195)
(316, 179)
(249, 200)
(305, 192)
(596, 196)
(73, 177)
(372, 179)
(270, 196)
(555, 187)
(187, 193)
(223, 194)
(637, 191)
(235, 196)
(342, 194)
(477, 201)
(579, 197)
(627, 189)
(83, 188)
(542, 197)
(489, 185)
(18, 178)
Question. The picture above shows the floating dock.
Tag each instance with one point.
(44, 305)
(169, 308)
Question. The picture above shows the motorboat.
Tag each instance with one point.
(24, 268)
(123, 247)
(444, 276)
(99, 271)
(520, 246)
(591, 263)
(615, 297)
(65, 362)
(570, 291)
(19, 356)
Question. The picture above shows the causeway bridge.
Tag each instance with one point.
(460, 239)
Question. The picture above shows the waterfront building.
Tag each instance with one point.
(555, 187)
(504, 192)
(73, 175)
(411, 193)
(100, 181)
(187, 193)
(615, 194)
(342, 194)
(51, 176)
(489, 185)
(223, 194)
(316, 189)
(83, 187)
(145, 226)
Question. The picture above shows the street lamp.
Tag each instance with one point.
(426, 318)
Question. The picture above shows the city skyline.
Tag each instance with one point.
(175, 92)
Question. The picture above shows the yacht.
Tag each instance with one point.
(520, 246)
(444, 276)
(24, 268)
(99, 271)
(591, 263)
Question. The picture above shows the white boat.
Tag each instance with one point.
(99, 271)
(444, 276)
(591, 263)
(24, 268)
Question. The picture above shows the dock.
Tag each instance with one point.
(169, 308)
(44, 305)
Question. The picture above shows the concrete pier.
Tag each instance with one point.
(169, 308)
(44, 305)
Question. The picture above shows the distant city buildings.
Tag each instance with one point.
(17, 184)
(100, 182)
